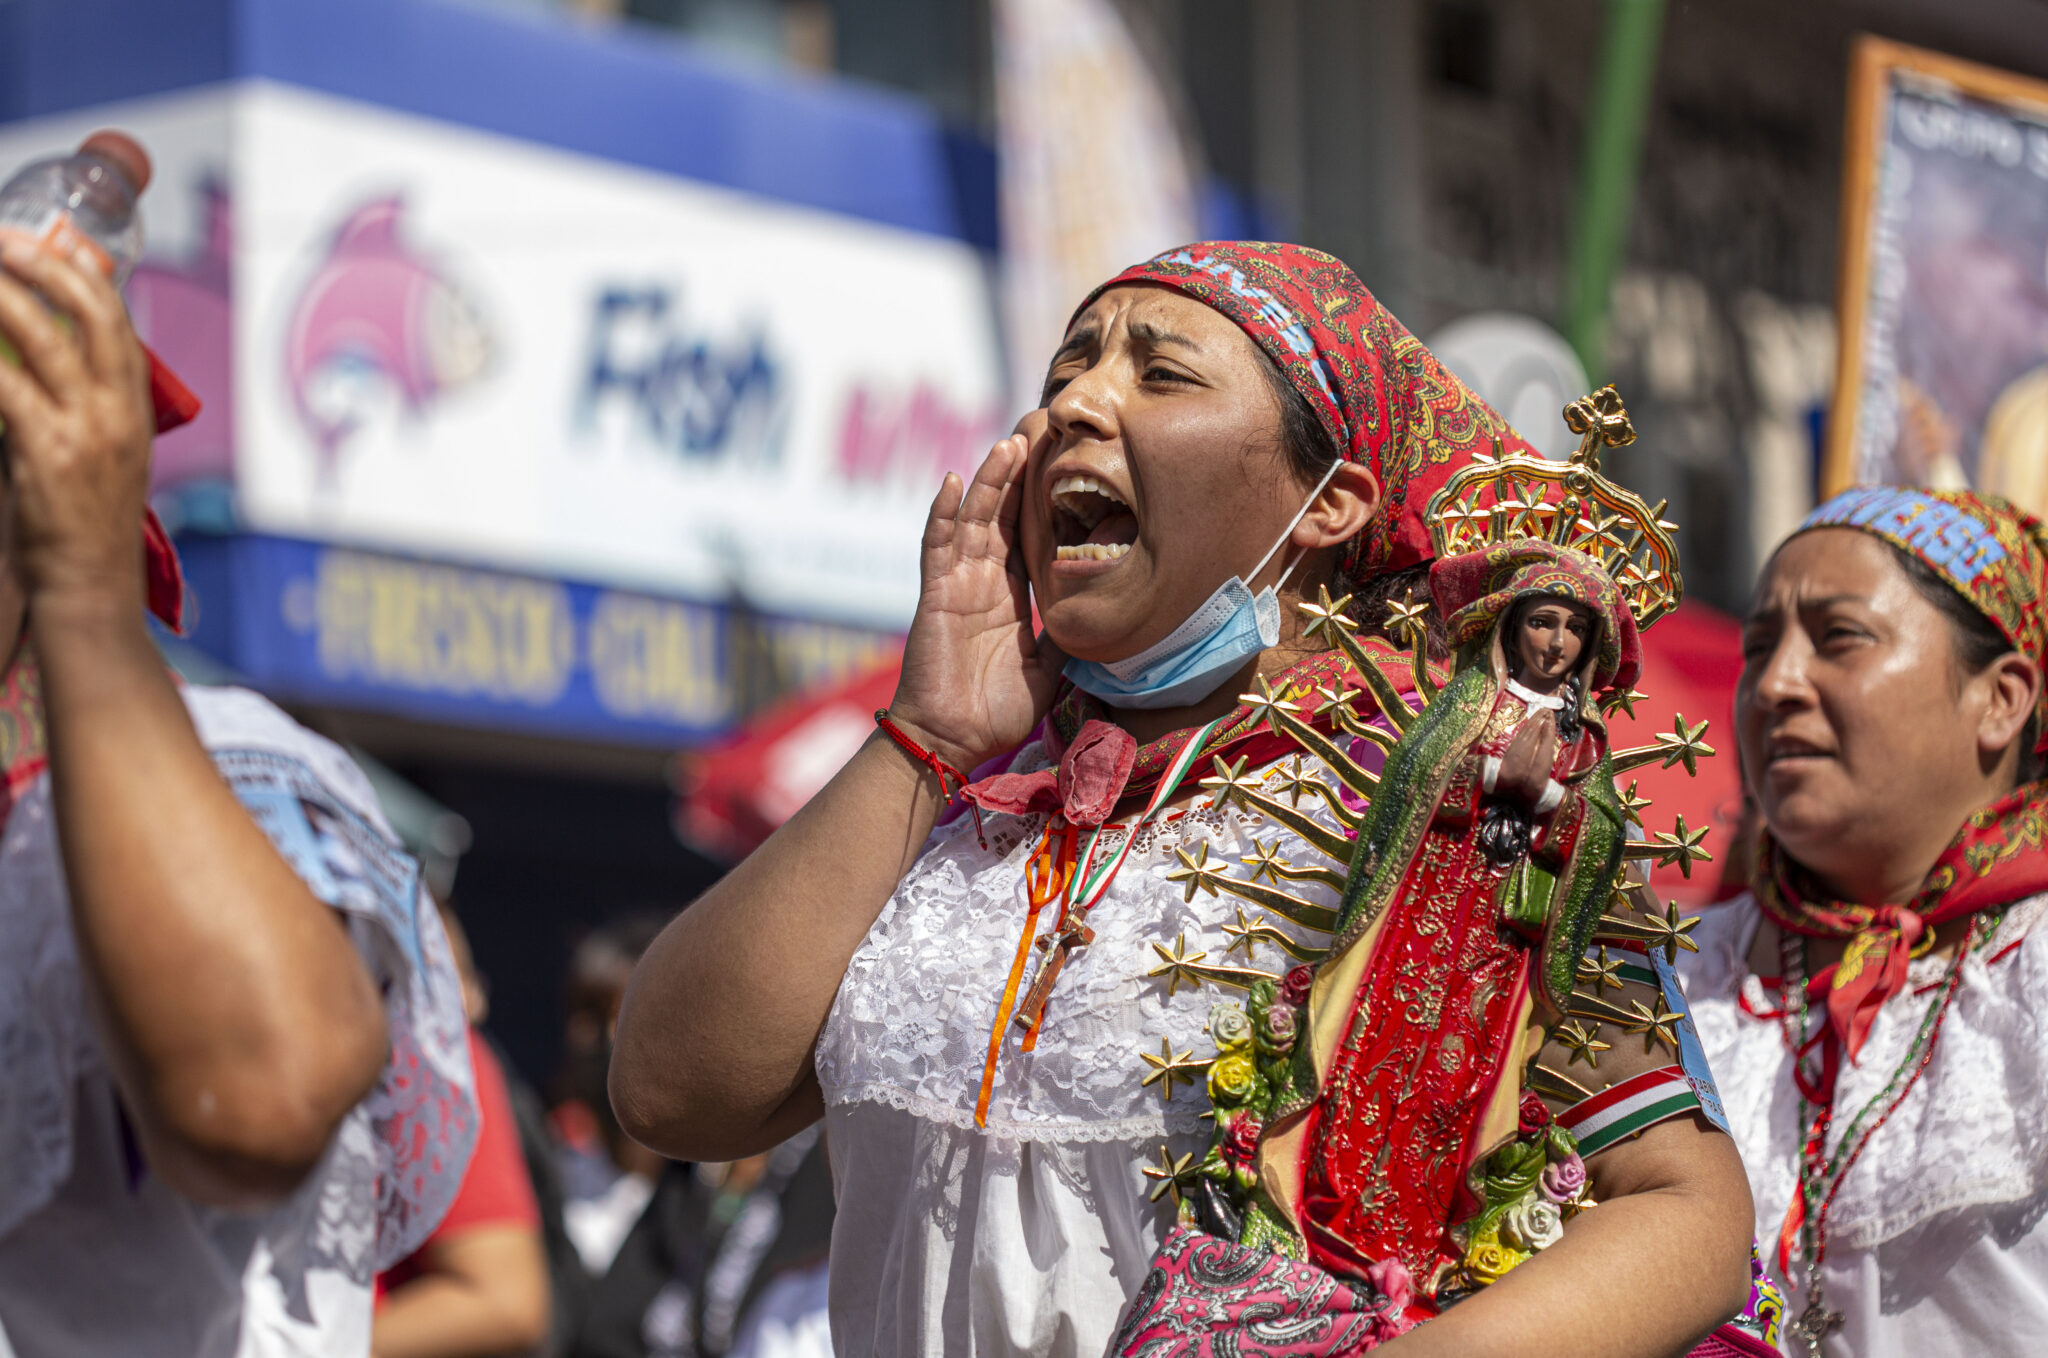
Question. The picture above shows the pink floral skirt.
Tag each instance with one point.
(1205, 1297)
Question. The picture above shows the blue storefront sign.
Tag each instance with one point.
(315, 623)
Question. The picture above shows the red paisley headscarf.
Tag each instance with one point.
(1384, 399)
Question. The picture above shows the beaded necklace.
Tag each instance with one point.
(1821, 1174)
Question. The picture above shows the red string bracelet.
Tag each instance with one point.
(941, 770)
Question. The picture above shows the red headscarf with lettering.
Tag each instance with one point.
(1383, 397)
(1984, 547)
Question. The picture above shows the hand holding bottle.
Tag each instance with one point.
(76, 411)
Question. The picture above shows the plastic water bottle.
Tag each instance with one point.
(82, 204)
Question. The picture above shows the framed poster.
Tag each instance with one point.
(1942, 378)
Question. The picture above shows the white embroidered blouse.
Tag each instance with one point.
(1029, 1236)
(1935, 1238)
(97, 1255)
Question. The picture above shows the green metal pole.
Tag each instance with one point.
(1615, 115)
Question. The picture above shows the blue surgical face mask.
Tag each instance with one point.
(1213, 644)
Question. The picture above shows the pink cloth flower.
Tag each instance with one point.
(1389, 1277)
(1278, 1027)
(1086, 786)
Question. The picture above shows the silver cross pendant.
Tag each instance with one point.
(1815, 1324)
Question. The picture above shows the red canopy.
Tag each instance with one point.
(1691, 660)
(733, 796)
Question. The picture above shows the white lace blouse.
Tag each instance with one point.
(1935, 1241)
(1026, 1237)
(97, 1255)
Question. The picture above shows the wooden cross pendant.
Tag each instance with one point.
(1074, 935)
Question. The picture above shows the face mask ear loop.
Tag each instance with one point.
(1288, 531)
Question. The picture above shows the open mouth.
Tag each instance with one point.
(1089, 521)
(1784, 748)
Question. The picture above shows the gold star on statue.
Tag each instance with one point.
(1407, 621)
(1230, 783)
(1169, 1069)
(1265, 862)
(1682, 847)
(1265, 703)
(1170, 1175)
(1623, 702)
(1336, 703)
(1196, 870)
(1669, 932)
(1511, 502)
(1326, 613)
(1177, 964)
(1582, 1042)
(1462, 522)
(1605, 972)
(1246, 934)
(1682, 745)
(1656, 1025)
(1632, 805)
(1292, 782)
(1599, 526)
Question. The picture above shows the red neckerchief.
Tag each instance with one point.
(1995, 859)
(1244, 732)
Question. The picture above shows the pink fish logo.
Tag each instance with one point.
(377, 317)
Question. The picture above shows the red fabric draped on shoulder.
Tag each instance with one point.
(173, 404)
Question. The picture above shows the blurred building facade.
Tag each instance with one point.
(571, 392)
(1436, 144)
(578, 369)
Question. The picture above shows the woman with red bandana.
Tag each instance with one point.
(1877, 1011)
(231, 1033)
(977, 1004)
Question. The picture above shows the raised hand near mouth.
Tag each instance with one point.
(975, 677)
(713, 1056)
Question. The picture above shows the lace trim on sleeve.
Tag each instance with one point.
(389, 1181)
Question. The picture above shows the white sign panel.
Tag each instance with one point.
(459, 346)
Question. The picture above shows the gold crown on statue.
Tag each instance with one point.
(1570, 504)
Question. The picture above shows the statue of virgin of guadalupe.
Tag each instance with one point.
(1495, 825)
(1407, 1115)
